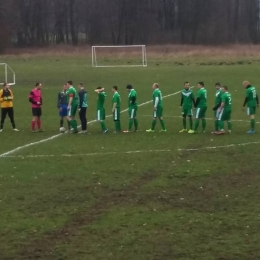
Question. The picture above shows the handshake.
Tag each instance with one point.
(8, 98)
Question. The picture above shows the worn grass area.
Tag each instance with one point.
(136, 196)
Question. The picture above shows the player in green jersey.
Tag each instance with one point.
(116, 103)
(252, 102)
(132, 108)
(72, 106)
(224, 111)
(158, 108)
(187, 99)
(218, 101)
(201, 107)
(101, 112)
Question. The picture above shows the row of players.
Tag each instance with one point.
(70, 101)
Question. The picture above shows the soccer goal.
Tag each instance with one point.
(6, 74)
(119, 56)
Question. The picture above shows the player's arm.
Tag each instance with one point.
(1, 96)
(99, 90)
(114, 105)
(181, 100)
(133, 99)
(31, 98)
(59, 100)
(11, 97)
(246, 98)
(257, 100)
(156, 102)
(81, 97)
(197, 100)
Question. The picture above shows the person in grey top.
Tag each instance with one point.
(83, 105)
(62, 105)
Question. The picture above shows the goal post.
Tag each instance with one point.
(119, 56)
(7, 74)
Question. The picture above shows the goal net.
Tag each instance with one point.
(119, 56)
(6, 74)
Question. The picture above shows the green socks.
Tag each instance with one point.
(229, 126)
(130, 124)
(252, 124)
(191, 123)
(162, 124)
(73, 124)
(216, 125)
(184, 123)
(153, 124)
(221, 125)
(197, 123)
(204, 123)
(136, 124)
(118, 126)
(103, 126)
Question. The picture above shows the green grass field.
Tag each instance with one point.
(137, 196)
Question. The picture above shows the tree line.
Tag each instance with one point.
(44, 22)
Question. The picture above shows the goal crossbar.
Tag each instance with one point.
(95, 62)
(6, 68)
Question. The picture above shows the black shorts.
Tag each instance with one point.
(36, 111)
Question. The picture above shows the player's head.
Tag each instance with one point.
(218, 85)
(155, 86)
(99, 88)
(64, 87)
(6, 85)
(224, 88)
(114, 88)
(201, 84)
(38, 85)
(186, 85)
(81, 85)
(129, 87)
(70, 83)
(246, 83)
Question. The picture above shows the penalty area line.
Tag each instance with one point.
(127, 152)
(58, 135)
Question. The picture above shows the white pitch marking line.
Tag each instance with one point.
(235, 120)
(58, 135)
(127, 152)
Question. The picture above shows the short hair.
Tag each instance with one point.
(5, 84)
(81, 84)
(186, 82)
(201, 83)
(156, 85)
(129, 86)
(70, 82)
(115, 87)
(99, 87)
(218, 84)
(37, 84)
(225, 87)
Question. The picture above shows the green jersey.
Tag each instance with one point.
(187, 98)
(218, 99)
(116, 99)
(251, 96)
(132, 98)
(157, 98)
(227, 100)
(101, 100)
(202, 96)
(72, 92)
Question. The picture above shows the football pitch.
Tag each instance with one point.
(133, 196)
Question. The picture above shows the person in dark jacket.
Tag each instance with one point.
(83, 105)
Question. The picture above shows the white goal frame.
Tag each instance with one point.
(6, 68)
(94, 56)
